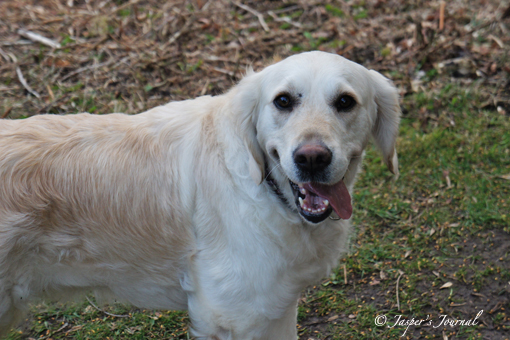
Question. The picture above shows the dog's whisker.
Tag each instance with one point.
(270, 171)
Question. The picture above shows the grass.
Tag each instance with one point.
(443, 223)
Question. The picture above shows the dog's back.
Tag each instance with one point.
(88, 202)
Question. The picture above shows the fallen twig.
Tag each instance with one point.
(25, 84)
(345, 274)
(14, 43)
(5, 56)
(204, 88)
(184, 29)
(498, 306)
(90, 67)
(255, 13)
(6, 112)
(441, 15)
(284, 19)
(286, 9)
(398, 280)
(221, 70)
(105, 312)
(55, 332)
(226, 60)
(38, 38)
(318, 298)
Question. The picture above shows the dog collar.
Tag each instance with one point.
(274, 187)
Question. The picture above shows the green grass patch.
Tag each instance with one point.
(334, 10)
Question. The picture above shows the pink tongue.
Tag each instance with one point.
(337, 195)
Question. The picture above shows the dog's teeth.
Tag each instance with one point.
(326, 202)
(302, 190)
(301, 202)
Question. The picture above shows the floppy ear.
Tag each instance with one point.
(246, 105)
(385, 129)
(256, 162)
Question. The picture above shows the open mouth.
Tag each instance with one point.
(316, 201)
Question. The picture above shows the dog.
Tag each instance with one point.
(226, 206)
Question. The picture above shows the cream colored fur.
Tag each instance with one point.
(168, 209)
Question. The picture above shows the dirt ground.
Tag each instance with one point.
(133, 55)
(490, 298)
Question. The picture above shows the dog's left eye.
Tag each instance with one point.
(283, 102)
(344, 103)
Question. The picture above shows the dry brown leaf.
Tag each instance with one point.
(98, 26)
(446, 285)
(75, 328)
(332, 318)
(57, 62)
(507, 177)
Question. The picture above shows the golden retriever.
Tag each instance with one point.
(226, 206)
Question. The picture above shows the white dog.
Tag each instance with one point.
(218, 205)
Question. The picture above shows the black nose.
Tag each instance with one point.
(312, 158)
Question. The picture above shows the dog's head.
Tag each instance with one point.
(310, 118)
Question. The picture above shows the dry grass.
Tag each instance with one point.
(132, 55)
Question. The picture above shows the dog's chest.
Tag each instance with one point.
(255, 259)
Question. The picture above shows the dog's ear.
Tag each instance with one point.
(256, 162)
(246, 106)
(385, 130)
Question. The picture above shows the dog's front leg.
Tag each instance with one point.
(283, 328)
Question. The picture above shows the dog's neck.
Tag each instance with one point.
(274, 186)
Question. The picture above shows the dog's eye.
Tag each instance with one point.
(283, 102)
(344, 103)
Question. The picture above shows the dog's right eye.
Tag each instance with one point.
(344, 103)
(283, 102)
